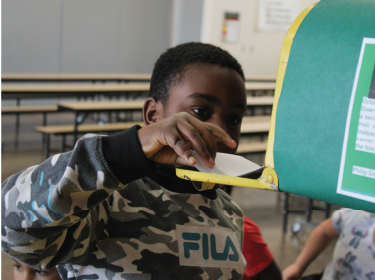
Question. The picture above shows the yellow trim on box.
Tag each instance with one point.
(209, 180)
(284, 56)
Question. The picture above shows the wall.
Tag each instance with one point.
(187, 21)
(30, 36)
(69, 36)
(122, 36)
(257, 51)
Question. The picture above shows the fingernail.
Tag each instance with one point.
(211, 161)
(192, 160)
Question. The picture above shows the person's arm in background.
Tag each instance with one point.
(319, 239)
(260, 262)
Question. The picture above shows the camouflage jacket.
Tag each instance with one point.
(103, 211)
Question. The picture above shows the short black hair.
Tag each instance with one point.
(170, 67)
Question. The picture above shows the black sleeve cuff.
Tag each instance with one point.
(125, 157)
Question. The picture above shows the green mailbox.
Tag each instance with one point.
(321, 143)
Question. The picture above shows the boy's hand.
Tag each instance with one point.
(170, 140)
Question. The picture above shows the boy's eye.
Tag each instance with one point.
(18, 267)
(201, 112)
(233, 120)
(41, 273)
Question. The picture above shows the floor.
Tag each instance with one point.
(263, 207)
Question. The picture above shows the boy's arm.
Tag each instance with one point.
(51, 213)
(319, 239)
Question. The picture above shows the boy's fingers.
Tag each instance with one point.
(182, 161)
(222, 136)
(204, 147)
(207, 135)
(183, 133)
(179, 145)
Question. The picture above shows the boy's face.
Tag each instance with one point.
(22, 271)
(212, 94)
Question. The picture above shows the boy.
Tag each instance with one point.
(113, 208)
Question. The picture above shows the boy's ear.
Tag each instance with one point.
(151, 111)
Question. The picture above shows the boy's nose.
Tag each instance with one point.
(27, 276)
(222, 148)
(220, 122)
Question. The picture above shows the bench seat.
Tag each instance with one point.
(18, 110)
(28, 109)
(85, 128)
(251, 147)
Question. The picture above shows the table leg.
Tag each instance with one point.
(17, 123)
(328, 210)
(285, 213)
(75, 134)
(63, 143)
(44, 124)
(48, 145)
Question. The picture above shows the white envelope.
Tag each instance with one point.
(227, 164)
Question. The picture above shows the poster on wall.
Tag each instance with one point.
(231, 28)
(277, 15)
(357, 169)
